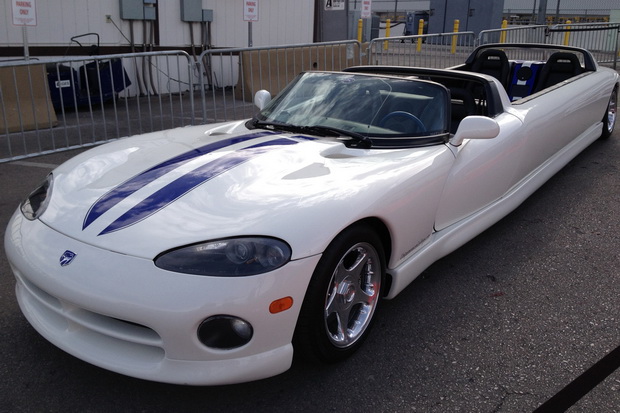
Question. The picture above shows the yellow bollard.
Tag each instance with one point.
(387, 33)
(454, 38)
(360, 26)
(502, 36)
(567, 33)
(420, 33)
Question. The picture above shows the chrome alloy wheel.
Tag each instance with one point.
(353, 295)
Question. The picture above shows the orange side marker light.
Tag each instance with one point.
(281, 304)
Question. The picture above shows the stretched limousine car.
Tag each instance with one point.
(208, 254)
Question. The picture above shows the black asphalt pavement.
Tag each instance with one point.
(503, 324)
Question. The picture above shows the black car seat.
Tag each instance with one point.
(493, 62)
(559, 67)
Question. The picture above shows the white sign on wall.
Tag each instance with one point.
(334, 4)
(366, 9)
(24, 13)
(250, 10)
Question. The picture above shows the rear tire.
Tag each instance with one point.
(609, 120)
(342, 297)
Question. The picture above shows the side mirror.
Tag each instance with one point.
(475, 127)
(261, 98)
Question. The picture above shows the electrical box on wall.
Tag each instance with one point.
(132, 9)
(150, 13)
(207, 15)
(138, 9)
(192, 11)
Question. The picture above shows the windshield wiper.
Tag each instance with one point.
(362, 141)
(285, 127)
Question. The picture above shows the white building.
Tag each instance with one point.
(279, 22)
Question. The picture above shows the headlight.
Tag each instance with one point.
(36, 203)
(235, 257)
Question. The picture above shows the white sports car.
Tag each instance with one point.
(205, 255)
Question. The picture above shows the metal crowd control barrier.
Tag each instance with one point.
(430, 50)
(599, 38)
(518, 34)
(234, 75)
(53, 105)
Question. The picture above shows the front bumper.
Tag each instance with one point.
(126, 315)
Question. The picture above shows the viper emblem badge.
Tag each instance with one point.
(67, 258)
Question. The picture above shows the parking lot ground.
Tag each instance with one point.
(501, 325)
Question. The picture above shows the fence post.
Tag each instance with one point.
(420, 33)
(502, 36)
(454, 38)
(387, 33)
(567, 33)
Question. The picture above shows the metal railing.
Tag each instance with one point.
(53, 105)
(233, 76)
(518, 34)
(60, 104)
(430, 50)
(601, 39)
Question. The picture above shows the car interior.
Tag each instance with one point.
(523, 77)
(520, 75)
(521, 72)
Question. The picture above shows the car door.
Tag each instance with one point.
(483, 171)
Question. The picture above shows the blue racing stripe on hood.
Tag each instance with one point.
(137, 182)
(179, 187)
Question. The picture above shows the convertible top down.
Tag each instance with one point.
(207, 254)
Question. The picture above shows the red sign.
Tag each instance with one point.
(250, 10)
(24, 13)
(366, 9)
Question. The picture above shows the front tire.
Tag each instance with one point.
(342, 297)
(609, 120)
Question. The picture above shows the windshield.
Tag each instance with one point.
(390, 111)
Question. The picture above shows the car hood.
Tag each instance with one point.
(150, 193)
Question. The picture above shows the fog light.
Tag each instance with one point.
(225, 332)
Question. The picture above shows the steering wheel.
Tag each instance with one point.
(408, 123)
